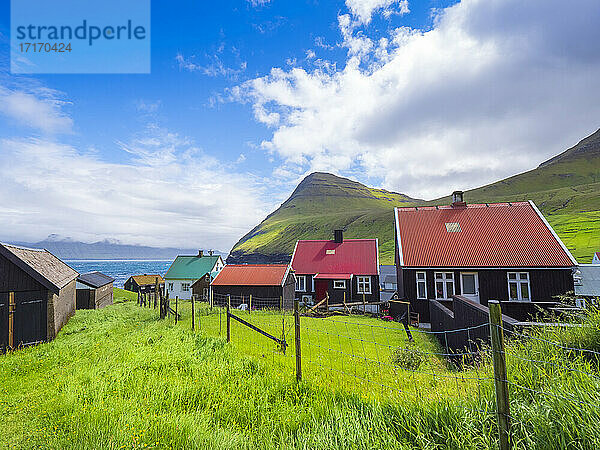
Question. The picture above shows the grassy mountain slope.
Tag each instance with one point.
(321, 203)
(566, 188)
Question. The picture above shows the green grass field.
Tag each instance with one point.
(121, 378)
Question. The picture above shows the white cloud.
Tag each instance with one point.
(494, 88)
(363, 9)
(39, 109)
(215, 68)
(169, 194)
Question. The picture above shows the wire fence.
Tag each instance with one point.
(388, 360)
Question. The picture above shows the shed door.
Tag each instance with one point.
(321, 289)
(30, 318)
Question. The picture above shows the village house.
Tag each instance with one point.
(270, 285)
(144, 283)
(495, 251)
(37, 295)
(187, 270)
(343, 269)
(94, 290)
(387, 282)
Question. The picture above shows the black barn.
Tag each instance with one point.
(94, 290)
(37, 295)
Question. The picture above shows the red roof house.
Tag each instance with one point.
(270, 285)
(344, 269)
(495, 251)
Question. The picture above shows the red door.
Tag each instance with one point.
(321, 289)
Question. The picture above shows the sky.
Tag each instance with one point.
(246, 97)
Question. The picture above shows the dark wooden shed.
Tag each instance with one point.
(270, 285)
(37, 295)
(94, 290)
(144, 283)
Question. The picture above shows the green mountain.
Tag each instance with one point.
(566, 188)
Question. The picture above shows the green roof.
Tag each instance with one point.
(191, 267)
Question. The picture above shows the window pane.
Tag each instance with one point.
(513, 291)
(439, 288)
(449, 288)
(523, 276)
(449, 276)
(468, 284)
(525, 291)
(438, 276)
(421, 290)
(420, 275)
(512, 276)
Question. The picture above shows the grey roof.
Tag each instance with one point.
(590, 280)
(41, 265)
(387, 269)
(386, 296)
(95, 279)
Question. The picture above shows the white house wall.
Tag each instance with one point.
(176, 290)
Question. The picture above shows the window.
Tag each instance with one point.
(444, 285)
(339, 284)
(518, 286)
(185, 287)
(364, 285)
(170, 286)
(453, 227)
(421, 285)
(301, 283)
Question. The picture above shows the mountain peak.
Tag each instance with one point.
(588, 147)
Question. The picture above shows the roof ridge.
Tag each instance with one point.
(507, 204)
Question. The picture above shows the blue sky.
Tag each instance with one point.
(247, 97)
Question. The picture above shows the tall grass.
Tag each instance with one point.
(120, 378)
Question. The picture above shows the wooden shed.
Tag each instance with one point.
(37, 295)
(270, 285)
(94, 290)
(144, 283)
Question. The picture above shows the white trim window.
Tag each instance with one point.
(300, 283)
(339, 284)
(170, 287)
(444, 285)
(185, 287)
(363, 285)
(519, 288)
(422, 285)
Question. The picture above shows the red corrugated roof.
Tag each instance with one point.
(494, 235)
(333, 276)
(354, 256)
(251, 275)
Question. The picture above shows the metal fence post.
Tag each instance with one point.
(500, 380)
(228, 324)
(297, 341)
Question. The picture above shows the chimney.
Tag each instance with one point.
(200, 253)
(210, 252)
(458, 199)
(338, 236)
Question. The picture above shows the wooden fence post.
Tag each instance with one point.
(176, 302)
(139, 298)
(193, 314)
(364, 304)
(297, 343)
(210, 295)
(327, 302)
(228, 323)
(228, 303)
(500, 380)
(280, 303)
(250, 304)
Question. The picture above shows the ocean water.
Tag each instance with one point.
(120, 270)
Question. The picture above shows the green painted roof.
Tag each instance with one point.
(191, 267)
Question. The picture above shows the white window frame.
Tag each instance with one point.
(339, 284)
(170, 287)
(446, 277)
(303, 278)
(362, 283)
(519, 281)
(185, 287)
(422, 280)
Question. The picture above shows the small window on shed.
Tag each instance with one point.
(453, 227)
(330, 252)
